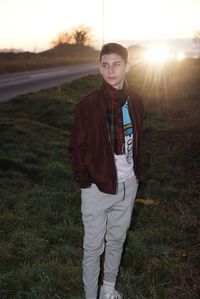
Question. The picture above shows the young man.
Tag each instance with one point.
(105, 158)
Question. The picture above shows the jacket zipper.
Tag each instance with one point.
(116, 185)
(134, 122)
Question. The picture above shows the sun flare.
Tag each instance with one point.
(162, 54)
(159, 53)
(180, 56)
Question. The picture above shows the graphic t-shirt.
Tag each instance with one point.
(124, 163)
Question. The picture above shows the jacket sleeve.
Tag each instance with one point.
(78, 146)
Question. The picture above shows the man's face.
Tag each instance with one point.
(113, 69)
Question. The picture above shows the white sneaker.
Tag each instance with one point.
(113, 295)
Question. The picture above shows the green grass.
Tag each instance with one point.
(40, 222)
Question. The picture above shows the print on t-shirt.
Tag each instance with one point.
(124, 163)
(128, 133)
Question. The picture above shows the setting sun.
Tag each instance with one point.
(162, 54)
(158, 53)
(180, 56)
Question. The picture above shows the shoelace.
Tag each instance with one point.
(115, 296)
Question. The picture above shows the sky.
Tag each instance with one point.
(32, 24)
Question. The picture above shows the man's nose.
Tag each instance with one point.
(110, 69)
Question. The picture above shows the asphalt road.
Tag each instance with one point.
(12, 85)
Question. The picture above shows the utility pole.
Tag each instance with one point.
(103, 22)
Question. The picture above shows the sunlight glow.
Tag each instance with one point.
(161, 54)
(180, 56)
(158, 53)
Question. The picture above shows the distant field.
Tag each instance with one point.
(60, 55)
(32, 63)
(40, 222)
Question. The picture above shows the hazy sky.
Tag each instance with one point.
(33, 24)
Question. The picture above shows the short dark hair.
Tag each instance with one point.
(116, 49)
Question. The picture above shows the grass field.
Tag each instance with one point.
(62, 55)
(34, 63)
(40, 222)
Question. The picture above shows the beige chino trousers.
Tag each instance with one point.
(106, 219)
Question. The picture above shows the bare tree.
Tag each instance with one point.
(79, 35)
(82, 35)
(62, 38)
(196, 40)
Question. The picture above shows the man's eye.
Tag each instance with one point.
(117, 64)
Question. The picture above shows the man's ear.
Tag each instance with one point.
(127, 67)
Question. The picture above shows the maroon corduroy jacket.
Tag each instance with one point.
(90, 152)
